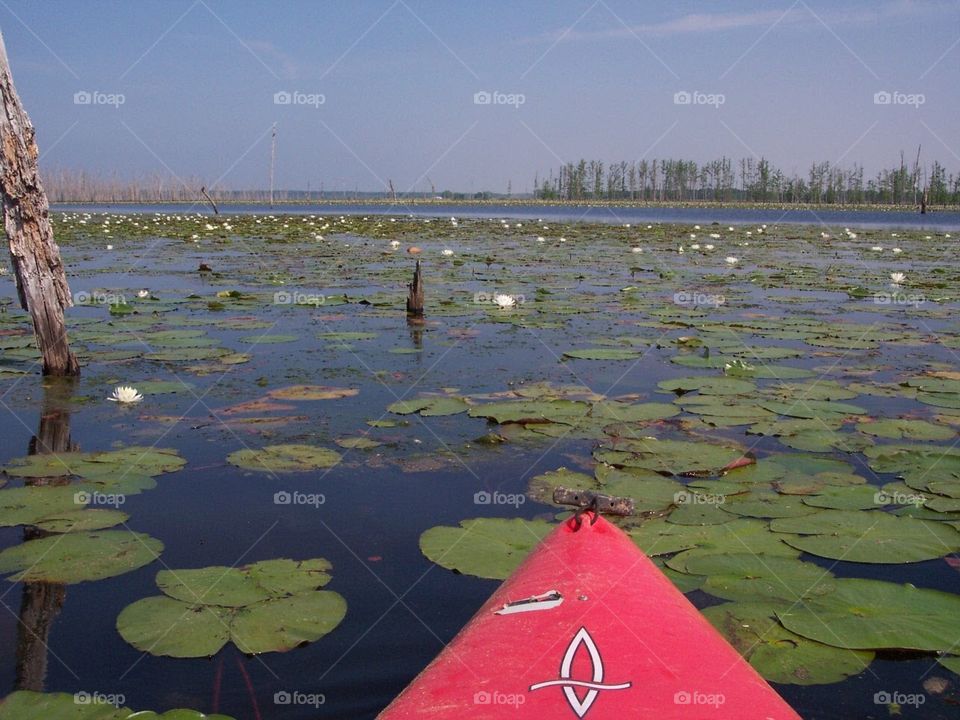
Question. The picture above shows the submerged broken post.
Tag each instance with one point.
(415, 294)
(41, 280)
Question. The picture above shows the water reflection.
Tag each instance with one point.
(41, 602)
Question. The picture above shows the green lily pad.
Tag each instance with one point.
(541, 486)
(868, 536)
(430, 406)
(531, 411)
(603, 354)
(285, 458)
(285, 623)
(907, 430)
(282, 577)
(745, 577)
(803, 408)
(485, 547)
(358, 443)
(224, 586)
(269, 339)
(850, 497)
(312, 392)
(29, 504)
(708, 385)
(872, 614)
(79, 557)
(778, 654)
(674, 457)
(134, 460)
(658, 537)
(163, 626)
(766, 504)
(81, 520)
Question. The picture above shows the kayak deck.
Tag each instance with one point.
(589, 627)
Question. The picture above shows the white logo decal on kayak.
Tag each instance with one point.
(567, 681)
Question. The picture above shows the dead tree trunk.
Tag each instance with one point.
(41, 280)
(203, 191)
(415, 293)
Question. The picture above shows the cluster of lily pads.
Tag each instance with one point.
(79, 546)
(734, 523)
(269, 606)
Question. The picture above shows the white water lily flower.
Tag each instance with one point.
(825, 235)
(715, 236)
(636, 250)
(563, 239)
(708, 247)
(109, 247)
(143, 293)
(877, 248)
(896, 251)
(447, 253)
(540, 238)
(504, 301)
(898, 278)
(125, 394)
(394, 244)
(731, 260)
(693, 236)
(694, 247)
(696, 227)
(852, 235)
(680, 250)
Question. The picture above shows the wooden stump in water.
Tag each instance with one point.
(415, 293)
(41, 280)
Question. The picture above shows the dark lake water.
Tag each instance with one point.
(938, 220)
(589, 291)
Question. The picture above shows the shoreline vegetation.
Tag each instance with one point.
(400, 204)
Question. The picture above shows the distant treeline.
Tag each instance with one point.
(65, 186)
(747, 180)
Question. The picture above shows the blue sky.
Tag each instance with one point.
(398, 78)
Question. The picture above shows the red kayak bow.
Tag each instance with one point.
(588, 627)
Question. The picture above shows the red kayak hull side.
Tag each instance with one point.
(623, 643)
